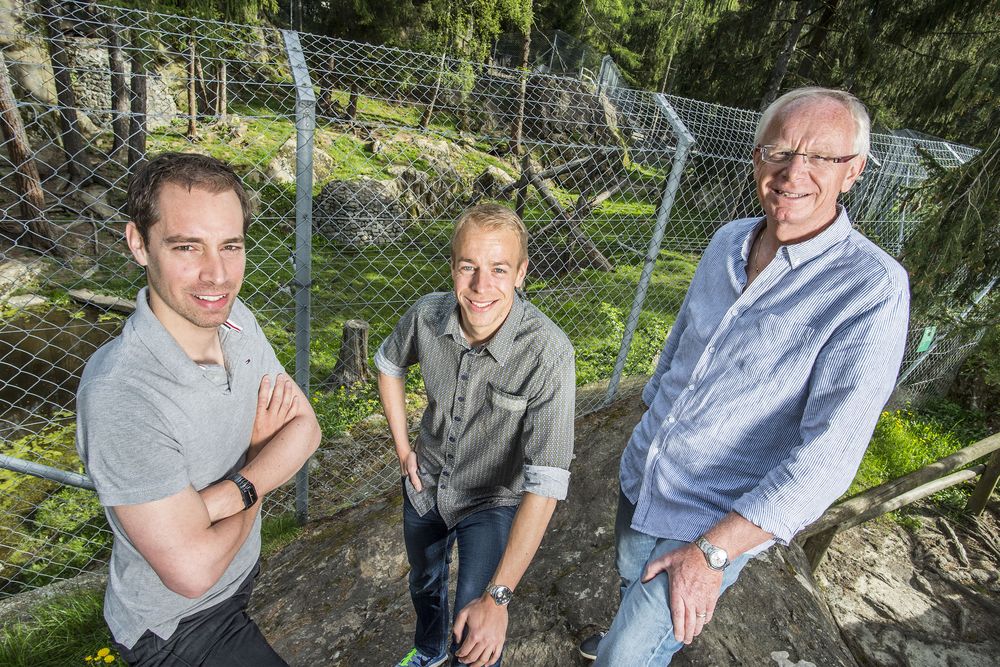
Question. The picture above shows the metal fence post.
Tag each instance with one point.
(305, 126)
(606, 64)
(684, 142)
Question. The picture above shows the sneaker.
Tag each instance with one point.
(588, 647)
(417, 659)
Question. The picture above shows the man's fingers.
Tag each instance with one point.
(459, 624)
(677, 615)
(415, 481)
(653, 568)
(264, 393)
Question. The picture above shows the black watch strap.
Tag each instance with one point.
(246, 487)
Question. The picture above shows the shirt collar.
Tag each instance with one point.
(162, 345)
(798, 254)
(501, 345)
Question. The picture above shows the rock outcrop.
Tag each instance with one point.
(338, 595)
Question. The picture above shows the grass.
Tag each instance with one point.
(69, 628)
(908, 440)
(61, 632)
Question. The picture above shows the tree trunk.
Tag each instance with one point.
(515, 143)
(425, 119)
(352, 103)
(192, 130)
(137, 119)
(817, 38)
(352, 364)
(780, 69)
(34, 230)
(222, 90)
(119, 85)
(72, 141)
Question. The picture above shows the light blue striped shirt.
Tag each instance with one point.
(764, 401)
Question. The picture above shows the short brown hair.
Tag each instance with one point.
(188, 170)
(491, 217)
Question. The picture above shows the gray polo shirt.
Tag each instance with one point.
(499, 419)
(151, 422)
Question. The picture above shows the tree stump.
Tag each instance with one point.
(352, 362)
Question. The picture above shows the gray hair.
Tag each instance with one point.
(862, 123)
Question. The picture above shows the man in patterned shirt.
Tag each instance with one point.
(769, 385)
(495, 442)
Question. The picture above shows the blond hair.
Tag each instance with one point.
(490, 217)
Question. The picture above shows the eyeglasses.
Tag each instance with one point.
(776, 155)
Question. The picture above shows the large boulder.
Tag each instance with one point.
(338, 595)
(360, 212)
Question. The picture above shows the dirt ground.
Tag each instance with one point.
(923, 597)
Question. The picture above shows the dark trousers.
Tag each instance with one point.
(221, 636)
(481, 539)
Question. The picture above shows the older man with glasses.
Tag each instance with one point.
(768, 388)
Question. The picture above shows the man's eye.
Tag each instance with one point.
(783, 156)
(184, 248)
(820, 158)
(234, 248)
(500, 270)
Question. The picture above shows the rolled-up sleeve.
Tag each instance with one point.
(548, 429)
(399, 350)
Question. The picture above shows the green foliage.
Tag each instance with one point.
(955, 252)
(340, 409)
(61, 632)
(277, 532)
(906, 440)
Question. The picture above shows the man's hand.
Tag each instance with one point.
(274, 409)
(408, 466)
(694, 589)
(484, 624)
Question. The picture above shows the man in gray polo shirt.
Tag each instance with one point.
(495, 442)
(181, 431)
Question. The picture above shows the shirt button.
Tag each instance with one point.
(671, 420)
(735, 312)
(445, 473)
(465, 376)
(451, 438)
(690, 387)
(711, 350)
(457, 418)
(461, 399)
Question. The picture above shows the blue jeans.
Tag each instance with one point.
(481, 537)
(642, 634)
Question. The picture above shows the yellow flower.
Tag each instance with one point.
(89, 658)
(109, 658)
(103, 652)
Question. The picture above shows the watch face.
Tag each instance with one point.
(502, 595)
(717, 558)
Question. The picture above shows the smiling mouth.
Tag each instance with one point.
(480, 305)
(789, 195)
(210, 298)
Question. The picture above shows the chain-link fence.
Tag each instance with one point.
(361, 157)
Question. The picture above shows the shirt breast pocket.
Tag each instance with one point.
(507, 402)
(771, 349)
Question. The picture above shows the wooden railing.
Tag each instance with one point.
(816, 539)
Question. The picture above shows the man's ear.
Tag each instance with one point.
(522, 271)
(136, 244)
(857, 165)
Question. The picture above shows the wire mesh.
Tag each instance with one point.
(403, 142)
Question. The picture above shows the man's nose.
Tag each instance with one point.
(213, 268)
(797, 166)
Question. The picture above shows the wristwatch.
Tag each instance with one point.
(501, 595)
(717, 557)
(246, 487)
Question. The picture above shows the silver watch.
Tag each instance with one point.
(501, 595)
(717, 557)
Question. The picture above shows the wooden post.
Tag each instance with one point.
(352, 363)
(985, 486)
(815, 547)
(192, 131)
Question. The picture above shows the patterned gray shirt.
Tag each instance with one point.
(499, 418)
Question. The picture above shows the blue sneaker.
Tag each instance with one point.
(417, 659)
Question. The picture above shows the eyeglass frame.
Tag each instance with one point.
(765, 149)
